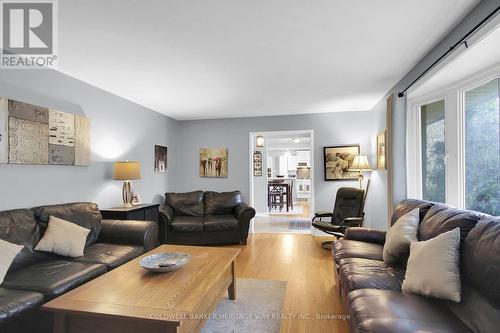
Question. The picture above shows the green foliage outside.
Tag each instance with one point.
(482, 150)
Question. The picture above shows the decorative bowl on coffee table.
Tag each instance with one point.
(165, 262)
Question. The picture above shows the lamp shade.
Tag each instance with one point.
(360, 163)
(128, 170)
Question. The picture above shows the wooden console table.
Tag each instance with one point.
(143, 212)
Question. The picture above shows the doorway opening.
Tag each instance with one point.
(281, 181)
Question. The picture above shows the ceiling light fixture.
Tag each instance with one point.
(259, 141)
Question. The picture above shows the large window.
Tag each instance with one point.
(453, 148)
(482, 148)
(433, 151)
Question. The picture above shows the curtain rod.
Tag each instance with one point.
(462, 40)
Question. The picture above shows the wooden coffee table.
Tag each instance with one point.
(131, 299)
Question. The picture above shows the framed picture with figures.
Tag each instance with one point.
(338, 160)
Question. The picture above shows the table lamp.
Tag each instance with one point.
(361, 165)
(127, 171)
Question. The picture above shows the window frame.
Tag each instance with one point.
(414, 142)
(454, 100)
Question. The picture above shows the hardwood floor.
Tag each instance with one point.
(305, 210)
(308, 268)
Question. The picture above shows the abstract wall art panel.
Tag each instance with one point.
(4, 131)
(29, 112)
(213, 162)
(61, 128)
(82, 140)
(61, 155)
(31, 134)
(28, 142)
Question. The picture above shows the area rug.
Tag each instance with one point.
(257, 308)
(299, 225)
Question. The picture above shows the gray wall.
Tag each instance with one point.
(120, 130)
(329, 129)
(481, 11)
(377, 194)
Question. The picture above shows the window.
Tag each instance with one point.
(482, 148)
(433, 151)
(453, 143)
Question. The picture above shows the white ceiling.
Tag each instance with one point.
(198, 59)
(289, 142)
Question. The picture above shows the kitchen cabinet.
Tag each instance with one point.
(303, 188)
(304, 158)
(292, 163)
(283, 166)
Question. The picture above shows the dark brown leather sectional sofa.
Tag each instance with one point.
(371, 290)
(199, 217)
(37, 277)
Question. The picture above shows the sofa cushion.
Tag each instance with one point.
(433, 267)
(408, 205)
(84, 214)
(399, 236)
(221, 223)
(388, 311)
(54, 277)
(359, 273)
(475, 310)
(481, 258)
(13, 302)
(8, 252)
(222, 203)
(344, 248)
(186, 204)
(111, 255)
(187, 224)
(19, 226)
(63, 238)
(442, 218)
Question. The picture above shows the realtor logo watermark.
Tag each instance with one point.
(28, 34)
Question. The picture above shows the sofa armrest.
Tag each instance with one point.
(365, 235)
(244, 213)
(166, 214)
(130, 232)
(352, 222)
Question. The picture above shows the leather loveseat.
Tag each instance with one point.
(199, 217)
(371, 290)
(36, 277)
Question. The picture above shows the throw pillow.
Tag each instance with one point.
(399, 237)
(63, 238)
(433, 267)
(9, 251)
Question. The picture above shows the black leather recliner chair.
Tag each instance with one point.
(348, 212)
(197, 218)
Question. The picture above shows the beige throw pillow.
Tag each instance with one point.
(63, 238)
(8, 253)
(399, 237)
(433, 267)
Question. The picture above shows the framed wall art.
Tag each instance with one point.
(257, 164)
(213, 162)
(337, 160)
(161, 153)
(381, 151)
